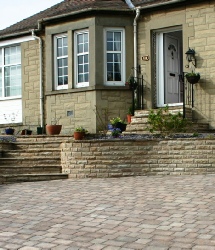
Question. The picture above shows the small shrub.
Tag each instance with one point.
(116, 132)
(166, 123)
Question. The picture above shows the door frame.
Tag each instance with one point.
(159, 52)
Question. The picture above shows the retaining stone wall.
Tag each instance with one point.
(117, 158)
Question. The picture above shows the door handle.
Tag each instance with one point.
(171, 74)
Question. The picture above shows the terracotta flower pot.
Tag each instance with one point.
(129, 118)
(79, 135)
(53, 129)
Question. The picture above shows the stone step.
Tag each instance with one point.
(36, 145)
(31, 177)
(31, 152)
(42, 138)
(32, 161)
(9, 169)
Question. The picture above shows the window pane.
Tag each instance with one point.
(86, 77)
(59, 42)
(0, 82)
(80, 48)
(80, 38)
(65, 51)
(110, 36)
(65, 62)
(12, 55)
(117, 46)
(60, 72)
(117, 77)
(117, 36)
(109, 46)
(80, 59)
(117, 67)
(86, 68)
(60, 80)
(13, 81)
(110, 76)
(117, 57)
(0, 57)
(86, 47)
(65, 71)
(80, 78)
(80, 68)
(59, 52)
(110, 57)
(86, 59)
(60, 63)
(86, 38)
(110, 67)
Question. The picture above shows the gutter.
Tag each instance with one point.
(137, 9)
(162, 4)
(41, 77)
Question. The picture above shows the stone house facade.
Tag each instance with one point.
(71, 62)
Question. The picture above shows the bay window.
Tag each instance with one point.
(114, 57)
(82, 58)
(10, 71)
(61, 62)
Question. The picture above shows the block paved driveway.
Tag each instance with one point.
(157, 213)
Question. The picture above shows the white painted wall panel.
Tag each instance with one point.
(12, 110)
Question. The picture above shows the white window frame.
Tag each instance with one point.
(3, 67)
(123, 56)
(76, 55)
(64, 86)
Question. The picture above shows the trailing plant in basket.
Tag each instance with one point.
(165, 123)
(192, 77)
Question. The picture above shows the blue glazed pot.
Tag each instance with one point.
(9, 131)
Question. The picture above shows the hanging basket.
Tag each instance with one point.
(193, 79)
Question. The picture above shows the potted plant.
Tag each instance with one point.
(192, 77)
(26, 132)
(129, 114)
(9, 131)
(116, 132)
(54, 128)
(117, 122)
(79, 133)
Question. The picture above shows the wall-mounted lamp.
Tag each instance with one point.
(191, 56)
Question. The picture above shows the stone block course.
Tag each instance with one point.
(121, 158)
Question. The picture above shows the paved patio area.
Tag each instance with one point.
(156, 213)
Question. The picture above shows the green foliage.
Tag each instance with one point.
(80, 129)
(116, 132)
(192, 74)
(166, 123)
(195, 134)
(102, 119)
(116, 120)
(130, 110)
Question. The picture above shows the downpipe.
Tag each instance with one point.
(41, 77)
